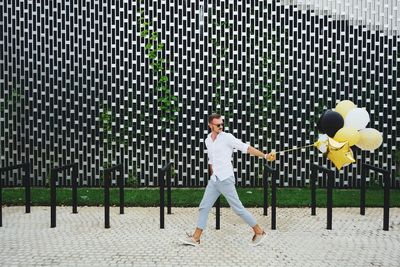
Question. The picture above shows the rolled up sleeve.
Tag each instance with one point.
(238, 144)
(209, 158)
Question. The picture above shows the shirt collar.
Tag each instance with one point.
(220, 134)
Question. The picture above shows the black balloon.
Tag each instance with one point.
(330, 122)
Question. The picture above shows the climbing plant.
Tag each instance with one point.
(154, 49)
(113, 138)
(160, 72)
(106, 118)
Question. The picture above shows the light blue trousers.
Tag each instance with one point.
(228, 190)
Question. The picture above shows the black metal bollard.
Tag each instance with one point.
(273, 199)
(386, 201)
(121, 190)
(107, 185)
(313, 191)
(386, 192)
(53, 178)
(74, 184)
(362, 190)
(329, 188)
(169, 192)
(218, 213)
(161, 182)
(329, 200)
(107, 182)
(275, 176)
(162, 200)
(27, 183)
(53, 190)
(265, 191)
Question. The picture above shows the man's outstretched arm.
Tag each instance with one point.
(255, 152)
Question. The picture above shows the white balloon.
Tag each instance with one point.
(323, 148)
(322, 143)
(323, 137)
(357, 118)
(370, 139)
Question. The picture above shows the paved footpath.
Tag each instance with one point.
(135, 239)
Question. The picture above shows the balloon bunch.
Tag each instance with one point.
(343, 128)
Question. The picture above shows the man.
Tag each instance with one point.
(220, 146)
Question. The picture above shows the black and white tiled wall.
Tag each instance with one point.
(75, 84)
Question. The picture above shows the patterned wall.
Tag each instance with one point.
(76, 84)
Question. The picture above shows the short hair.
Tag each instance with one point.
(213, 116)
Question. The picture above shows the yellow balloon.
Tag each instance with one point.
(334, 145)
(321, 145)
(347, 134)
(343, 107)
(350, 156)
(370, 139)
(340, 155)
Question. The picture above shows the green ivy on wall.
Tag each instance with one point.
(11, 102)
(106, 120)
(154, 49)
(113, 138)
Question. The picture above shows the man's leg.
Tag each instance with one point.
(227, 188)
(210, 196)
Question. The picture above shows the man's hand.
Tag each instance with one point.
(270, 156)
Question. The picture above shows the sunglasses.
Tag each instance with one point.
(219, 125)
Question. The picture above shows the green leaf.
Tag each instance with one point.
(156, 66)
(163, 79)
(144, 33)
(154, 36)
(153, 54)
(160, 46)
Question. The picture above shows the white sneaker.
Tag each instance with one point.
(190, 241)
(258, 239)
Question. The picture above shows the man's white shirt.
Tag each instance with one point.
(220, 154)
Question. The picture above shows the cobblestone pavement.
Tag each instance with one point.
(136, 239)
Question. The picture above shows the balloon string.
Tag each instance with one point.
(292, 149)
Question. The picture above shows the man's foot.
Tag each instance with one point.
(190, 241)
(258, 239)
